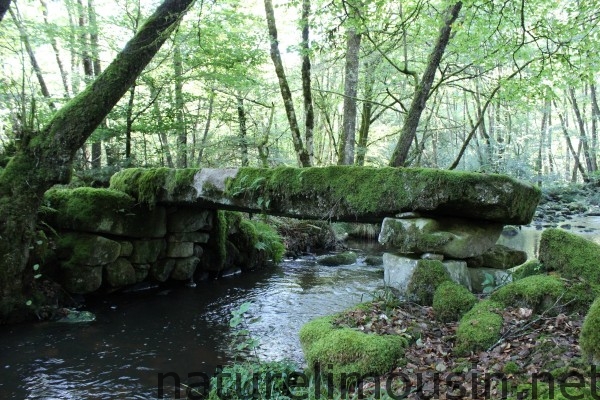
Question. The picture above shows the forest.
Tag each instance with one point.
(90, 87)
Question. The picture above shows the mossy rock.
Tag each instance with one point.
(529, 268)
(479, 328)
(427, 276)
(150, 185)
(451, 301)
(87, 249)
(589, 339)
(344, 258)
(542, 292)
(349, 351)
(572, 256)
(81, 279)
(120, 273)
(102, 211)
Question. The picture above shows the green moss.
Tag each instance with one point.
(451, 301)
(479, 328)
(374, 191)
(531, 267)
(589, 338)
(570, 255)
(269, 240)
(148, 184)
(511, 367)
(219, 237)
(82, 206)
(349, 351)
(537, 292)
(428, 275)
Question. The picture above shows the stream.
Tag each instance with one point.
(184, 330)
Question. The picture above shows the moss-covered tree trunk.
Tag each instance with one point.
(45, 157)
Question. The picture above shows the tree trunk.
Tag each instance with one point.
(595, 121)
(309, 114)
(540, 157)
(301, 153)
(582, 135)
(4, 5)
(346, 143)
(129, 122)
(160, 128)
(409, 128)
(34, 64)
(179, 105)
(211, 101)
(63, 73)
(575, 155)
(365, 119)
(44, 158)
(243, 131)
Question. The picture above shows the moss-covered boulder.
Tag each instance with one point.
(87, 249)
(570, 255)
(451, 237)
(451, 301)
(102, 211)
(538, 292)
(427, 276)
(479, 328)
(343, 258)
(589, 338)
(349, 351)
(529, 268)
(184, 268)
(81, 279)
(345, 193)
(498, 257)
(485, 279)
(147, 251)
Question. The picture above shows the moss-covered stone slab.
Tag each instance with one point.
(570, 255)
(87, 249)
(498, 257)
(102, 211)
(343, 193)
(451, 237)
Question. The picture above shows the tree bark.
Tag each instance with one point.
(211, 101)
(309, 114)
(301, 153)
(63, 73)
(582, 135)
(179, 105)
(45, 157)
(346, 143)
(578, 165)
(241, 111)
(595, 121)
(409, 128)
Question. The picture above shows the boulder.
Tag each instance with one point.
(147, 251)
(184, 268)
(188, 220)
(498, 257)
(195, 237)
(120, 273)
(479, 276)
(338, 193)
(451, 237)
(451, 301)
(161, 270)
(103, 211)
(81, 279)
(180, 249)
(570, 255)
(87, 249)
(344, 258)
(398, 271)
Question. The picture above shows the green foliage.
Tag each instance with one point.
(479, 328)
(269, 241)
(428, 275)
(451, 301)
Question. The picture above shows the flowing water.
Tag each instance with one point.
(186, 330)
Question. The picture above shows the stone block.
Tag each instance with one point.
(79, 279)
(180, 249)
(120, 273)
(161, 270)
(146, 251)
(190, 220)
(184, 268)
(195, 237)
(478, 276)
(87, 249)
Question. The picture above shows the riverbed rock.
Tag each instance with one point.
(344, 258)
(451, 237)
(498, 257)
(339, 193)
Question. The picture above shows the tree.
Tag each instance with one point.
(44, 157)
(409, 128)
(4, 5)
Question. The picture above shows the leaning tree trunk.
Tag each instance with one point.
(45, 157)
(346, 143)
(409, 129)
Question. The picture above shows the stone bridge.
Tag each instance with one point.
(160, 224)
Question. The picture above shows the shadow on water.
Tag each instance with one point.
(184, 330)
